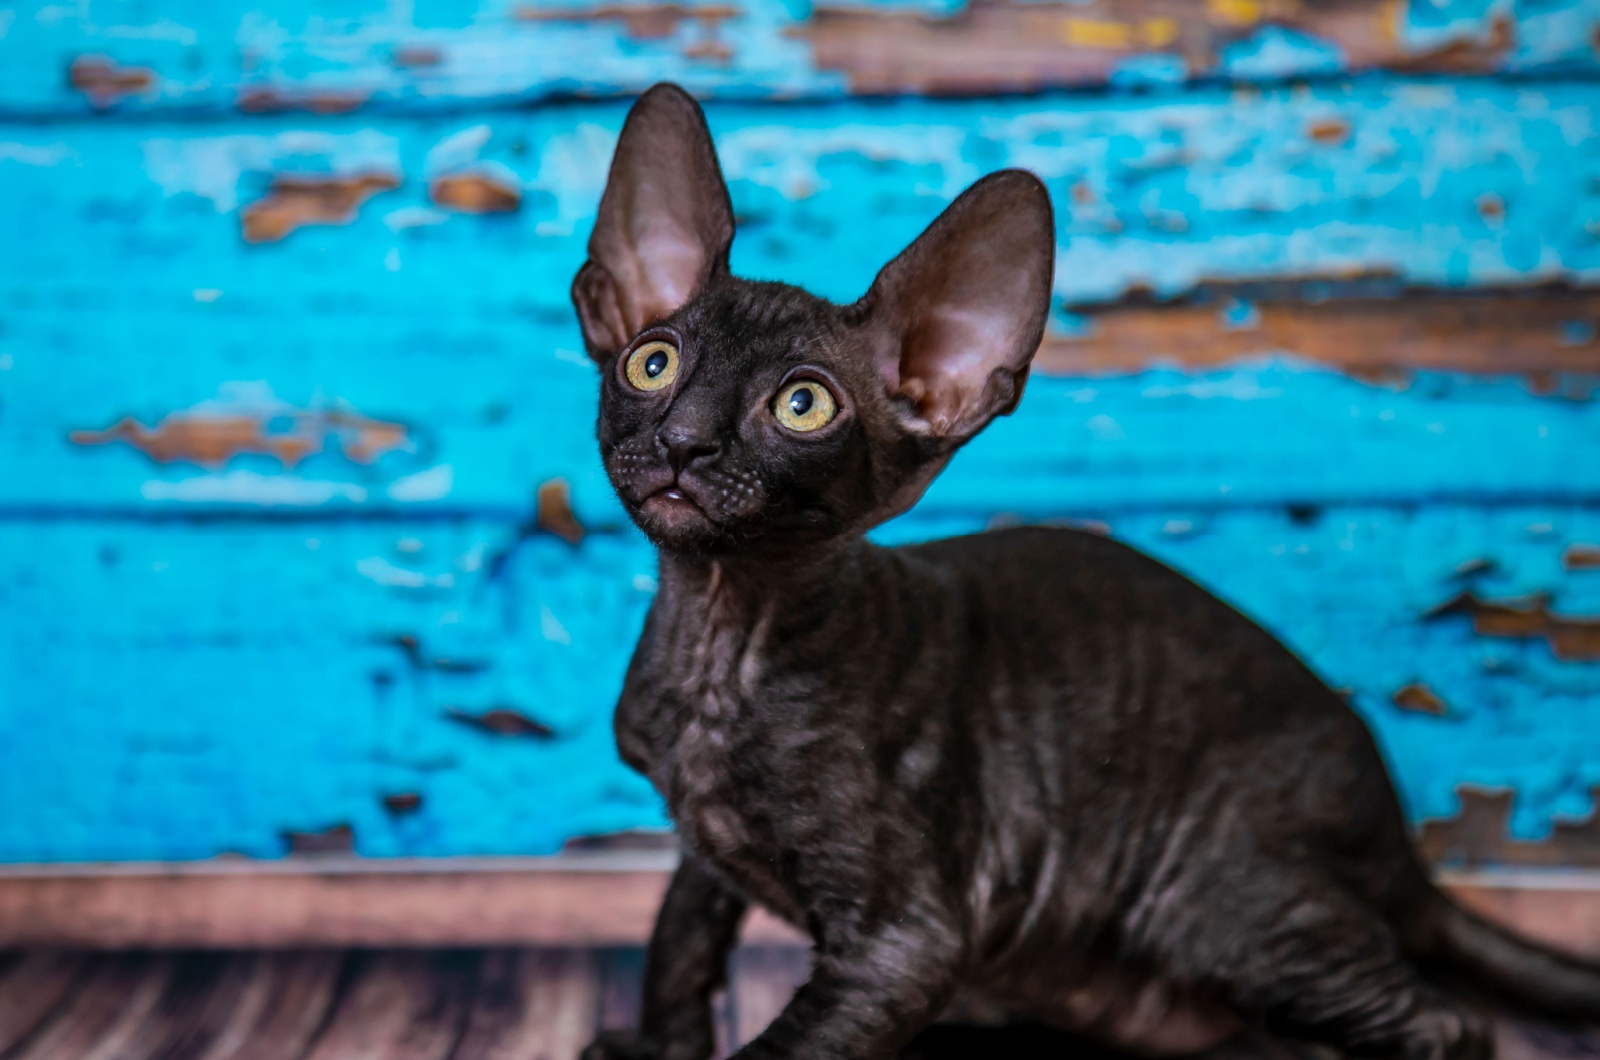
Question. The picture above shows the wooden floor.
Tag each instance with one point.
(507, 1004)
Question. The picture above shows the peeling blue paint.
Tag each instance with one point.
(209, 686)
(200, 654)
(1275, 53)
(432, 55)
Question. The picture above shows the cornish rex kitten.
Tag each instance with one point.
(1031, 765)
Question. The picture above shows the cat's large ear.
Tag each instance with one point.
(955, 320)
(664, 226)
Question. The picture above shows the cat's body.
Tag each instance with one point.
(1048, 819)
(1030, 767)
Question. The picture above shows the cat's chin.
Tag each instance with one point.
(673, 521)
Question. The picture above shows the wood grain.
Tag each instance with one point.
(287, 1001)
(1537, 333)
(532, 1005)
(597, 900)
(33, 985)
(105, 1010)
(400, 1006)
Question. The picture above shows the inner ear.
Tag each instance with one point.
(664, 225)
(955, 320)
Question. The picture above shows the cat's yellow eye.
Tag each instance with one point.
(805, 406)
(652, 366)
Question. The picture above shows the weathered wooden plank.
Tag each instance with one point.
(532, 1005)
(302, 907)
(288, 54)
(282, 1007)
(347, 649)
(105, 1011)
(526, 1000)
(399, 1006)
(1168, 435)
(34, 985)
(1540, 334)
(197, 1004)
(424, 365)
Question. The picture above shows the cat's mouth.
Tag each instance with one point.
(677, 505)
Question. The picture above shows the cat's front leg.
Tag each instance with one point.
(688, 959)
(867, 997)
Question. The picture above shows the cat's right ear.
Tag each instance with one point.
(954, 321)
(665, 222)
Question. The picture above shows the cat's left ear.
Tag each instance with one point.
(664, 226)
(955, 320)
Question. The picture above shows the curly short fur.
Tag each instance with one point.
(1030, 766)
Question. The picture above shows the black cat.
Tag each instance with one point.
(1031, 766)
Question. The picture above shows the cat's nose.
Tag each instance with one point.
(683, 444)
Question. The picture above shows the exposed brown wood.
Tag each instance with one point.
(1480, 834)
(262, 99)
(538, 1005)
(105, 82)
(553, 511)
(192, 1010)
(574, 900)
(285, 1002)
(1538, 332)
(335, 839)
(211, 439)
(532, 1005)
(593, 900)
(401, 1006)
(104, 1010)
(650, 21)
(1420, 699)
(502, 721)
(474, 193)
(33, 985)
(1581, 557)
(1570, 637)
(1010, 46)
(295, 201)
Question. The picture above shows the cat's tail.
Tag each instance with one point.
(1493, 958)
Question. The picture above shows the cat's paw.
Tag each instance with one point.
(622, 1045)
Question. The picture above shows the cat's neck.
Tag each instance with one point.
(755, 590)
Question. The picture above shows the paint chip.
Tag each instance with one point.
(646, 21)
(553, 505)
(502, 721)
(1570, 638)
(295, 201)
(1492, 208)
(212, 439)
(402, 802)
(1420, 699)
(416, 56)
(474, 193)
(338, 839)
(1581, 557)
(1333, 132)
(105, 83)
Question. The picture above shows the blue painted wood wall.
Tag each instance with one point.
(300, 520)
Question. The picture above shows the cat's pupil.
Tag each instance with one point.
(655, 364)
(801, 400)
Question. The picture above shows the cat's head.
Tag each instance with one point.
(741, 416)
